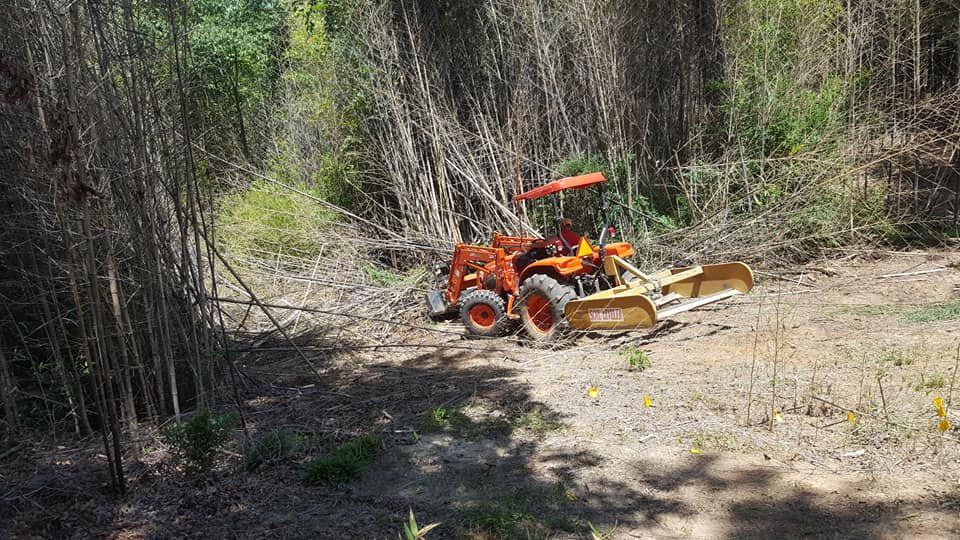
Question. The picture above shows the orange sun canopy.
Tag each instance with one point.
(571, 182)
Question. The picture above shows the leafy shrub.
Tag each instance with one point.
(349, 461)
(630, 199)
(268, 219)
(194, 443)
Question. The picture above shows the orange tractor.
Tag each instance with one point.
(548, 284)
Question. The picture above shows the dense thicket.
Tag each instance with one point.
(754, 127)
(106, 275)
(132, 129)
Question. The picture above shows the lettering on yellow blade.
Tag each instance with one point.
(606, 315)
(584, 248)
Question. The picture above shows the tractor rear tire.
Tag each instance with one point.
(484, 313)
(542, 300)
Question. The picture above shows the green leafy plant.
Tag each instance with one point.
(443, 418)
(455, 419)
(946, 311)
(539, 421)
(522, 513)
(194, 443)
(411, 531)
(599, 534)
(267, 219)
(637, 359)
(896, 357)
(348, 462)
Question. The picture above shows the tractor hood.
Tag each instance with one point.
(571, 182)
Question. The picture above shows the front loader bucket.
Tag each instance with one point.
(617, 308)
(714, 279)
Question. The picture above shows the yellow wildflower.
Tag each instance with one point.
(938, 404)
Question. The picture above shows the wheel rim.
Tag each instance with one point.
(482, 315)
(539, 312)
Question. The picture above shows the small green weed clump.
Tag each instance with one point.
(524, 513)
(445, 418)
(412, 531)
(348, 462)
(534, 418)
(539, 421)
(932, 382)
(896, 357)
(194, 443)
(637, 359)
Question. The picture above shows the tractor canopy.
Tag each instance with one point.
(571, 182)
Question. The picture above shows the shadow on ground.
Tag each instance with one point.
(463, 443)
(743, 500)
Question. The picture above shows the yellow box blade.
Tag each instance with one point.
(713, 279)
(621, 309)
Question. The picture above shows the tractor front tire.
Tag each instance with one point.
(484, 313)
(542, 300)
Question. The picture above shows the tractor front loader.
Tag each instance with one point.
(548, 284)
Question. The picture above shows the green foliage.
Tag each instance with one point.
(385, 277)
(932, 382)
(455, 419)
(896, 357)
(783, 99)
(523, 513)
(194, 443)
(268, 219)
(946, 311)
(721, 441)
(832, 214)
(637, 359)
(325, 100)
(535, 419)
(273, 446)
(539, 421)
(444, 418)
(624, 192)
(348, 462)
(230, 69)
(943, 311)
(412, 531)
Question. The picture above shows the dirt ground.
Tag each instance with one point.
(804, 408)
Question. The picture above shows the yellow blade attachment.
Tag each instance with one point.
(712, 279)
(630, 306)
(617, 308)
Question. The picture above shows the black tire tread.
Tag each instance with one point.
(558, 295)
(477, 296)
